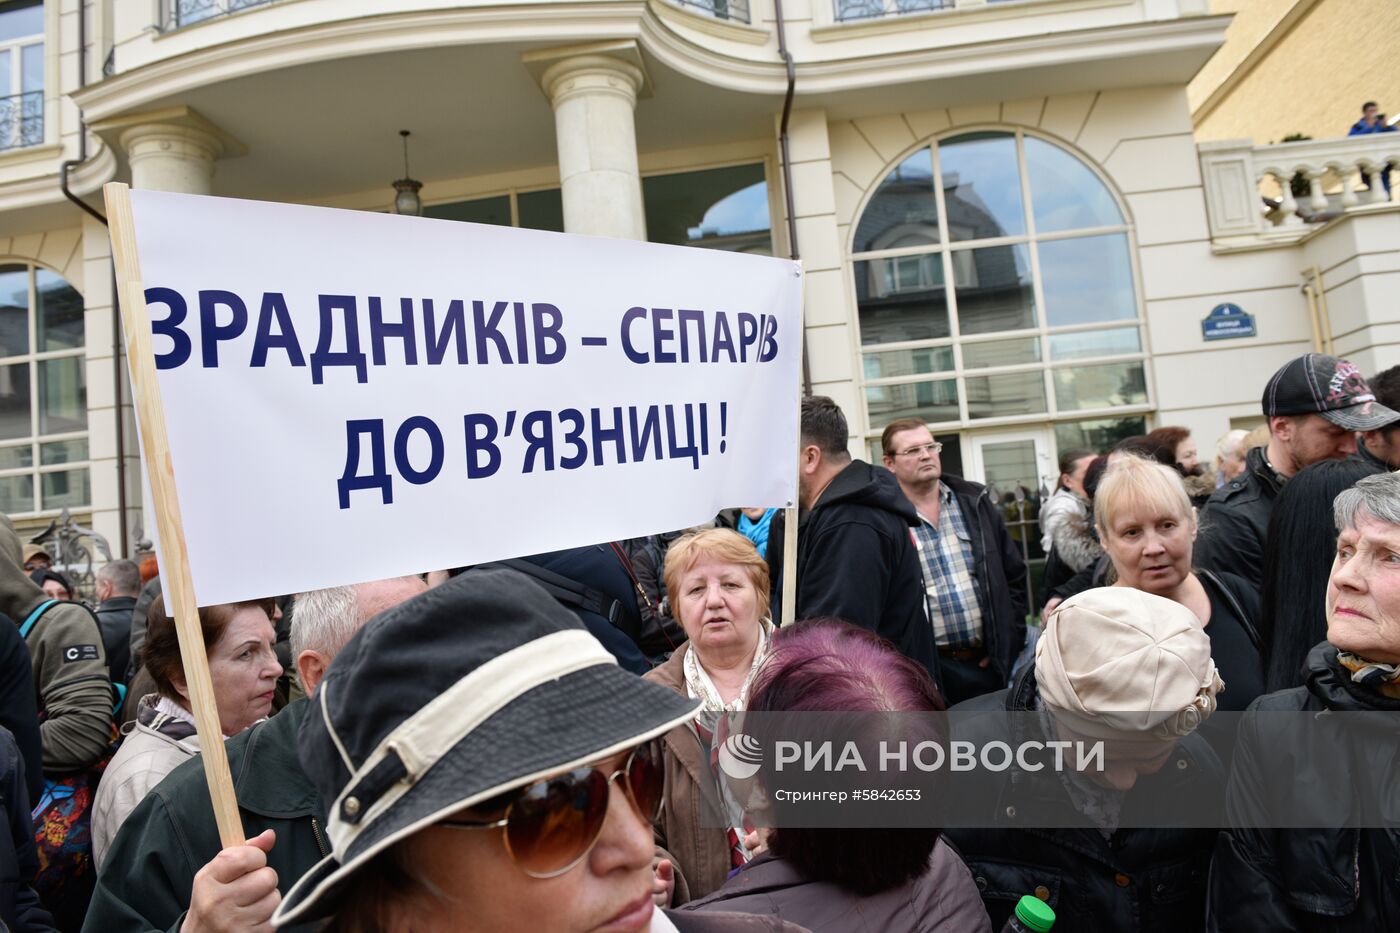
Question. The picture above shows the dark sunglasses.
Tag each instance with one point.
(551, 825)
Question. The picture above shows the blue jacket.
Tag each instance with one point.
(1359, 128)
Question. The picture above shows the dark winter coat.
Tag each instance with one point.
(1000, 572)
(147, 879)
(1136, 881)
(661, 633)
(856, 561)
(1342, 880)
(139, 612)
(943, 898)
(18, 709)
(20, 909)
(114, 618)
(1235, 521)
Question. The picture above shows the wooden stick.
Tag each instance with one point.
(175, 569)
(790, 513)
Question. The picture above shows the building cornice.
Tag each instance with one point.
(1049, 49)
(41, 190)
(630, 19)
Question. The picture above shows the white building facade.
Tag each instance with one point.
(1008, 228)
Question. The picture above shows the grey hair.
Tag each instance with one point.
(324, 620)
(124, 576)
(1230, 442)
(1378, 496)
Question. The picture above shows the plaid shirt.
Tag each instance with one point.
(945, 554)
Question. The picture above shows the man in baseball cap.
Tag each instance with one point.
(36, 557)
(1315, 404)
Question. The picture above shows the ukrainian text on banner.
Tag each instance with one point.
(352, 395)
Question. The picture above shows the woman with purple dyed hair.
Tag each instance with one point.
(896, 880)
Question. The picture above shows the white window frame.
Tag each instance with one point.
(952, 254)
(37, 469)
(16, 49)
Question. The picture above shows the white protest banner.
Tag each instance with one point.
(351, 395)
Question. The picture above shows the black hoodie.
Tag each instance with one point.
(856, 561)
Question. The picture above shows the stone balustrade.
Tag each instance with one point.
(1250, 189)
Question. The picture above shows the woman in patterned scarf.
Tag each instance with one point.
(718, 589)
(1312, 843)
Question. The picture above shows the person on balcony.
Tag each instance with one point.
(1372, 121)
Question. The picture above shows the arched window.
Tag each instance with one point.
(43, 393)
(1004, 292)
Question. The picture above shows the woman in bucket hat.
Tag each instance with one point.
(488, 766)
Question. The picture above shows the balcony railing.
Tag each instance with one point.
(852, 10)
(180, 13)
(1277, 190)
(22, 120)
(735, 10)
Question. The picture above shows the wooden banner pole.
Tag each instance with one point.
(177, 584)
(790, 513)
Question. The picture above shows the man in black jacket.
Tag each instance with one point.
(118, 585)
(973, 575)
(855, 558)
(1314, 404)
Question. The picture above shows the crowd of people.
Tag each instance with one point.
(535, 744)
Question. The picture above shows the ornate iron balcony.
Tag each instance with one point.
(847, 10)
(737, 10)
(22, 120)
(180, 13)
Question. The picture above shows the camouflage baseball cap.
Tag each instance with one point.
(1317, 384)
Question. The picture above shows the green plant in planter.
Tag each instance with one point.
(1298, 184)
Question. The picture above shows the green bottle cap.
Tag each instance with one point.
(1035, 913)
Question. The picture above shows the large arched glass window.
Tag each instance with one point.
(1003, 293)
(43, 393)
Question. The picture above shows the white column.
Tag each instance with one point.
(168, 150)
(171, 157)
(594, 98)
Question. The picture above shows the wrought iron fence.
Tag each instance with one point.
(847, 10)
(22, 120)
(180, 13)
(737, 10)
(63, 539)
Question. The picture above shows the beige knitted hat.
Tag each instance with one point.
(1119, 663)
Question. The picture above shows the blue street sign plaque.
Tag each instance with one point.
(1226, 321)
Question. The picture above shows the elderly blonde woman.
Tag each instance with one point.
(1148, 529)
(718, 587)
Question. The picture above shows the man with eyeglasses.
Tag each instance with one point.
(973, 575)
